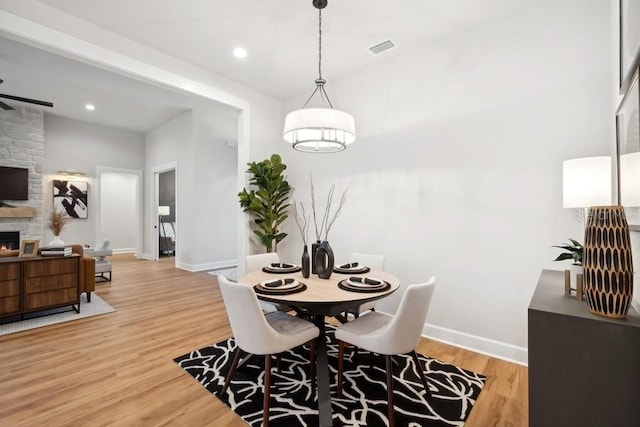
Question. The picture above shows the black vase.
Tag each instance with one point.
(306, 268)
(314, 249)
(324, 260)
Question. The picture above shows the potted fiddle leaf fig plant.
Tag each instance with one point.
(267, 201)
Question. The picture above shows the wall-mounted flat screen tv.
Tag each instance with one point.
(14, 183)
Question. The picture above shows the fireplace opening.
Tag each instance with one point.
(9, 240)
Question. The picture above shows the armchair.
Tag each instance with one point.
(102, 265)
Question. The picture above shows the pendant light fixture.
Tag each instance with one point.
(319, 129)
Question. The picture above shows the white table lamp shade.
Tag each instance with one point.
(630, 180)
(164, 210)
(586, 182)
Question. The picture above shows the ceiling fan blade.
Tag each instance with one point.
(6, 106)
(30, 101)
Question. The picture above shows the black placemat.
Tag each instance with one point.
(272, 270)
(275, 291)
(343, 284)
(360, 270)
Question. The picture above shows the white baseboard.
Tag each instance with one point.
(125, 251)
(146, 256)
(509, 352)
(498, 349)
(209, 266)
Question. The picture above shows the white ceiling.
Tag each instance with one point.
(280, 36)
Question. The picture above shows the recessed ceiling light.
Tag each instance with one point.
(239, 52)
(90, 107)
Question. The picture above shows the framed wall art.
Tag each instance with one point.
(71, 197)
(629, 41)
(628, 153)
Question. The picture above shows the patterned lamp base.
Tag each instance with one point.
(608, 270)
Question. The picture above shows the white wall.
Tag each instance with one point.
(215, 184)
(457, 168)
(82, 146)
(170, 142)
(207, 209)
(118, 214)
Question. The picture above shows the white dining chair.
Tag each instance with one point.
(258, 334)
(256, 262)
(374, 262)
(390, 335)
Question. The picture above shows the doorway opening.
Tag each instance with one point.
(119, 213)
(167, 213)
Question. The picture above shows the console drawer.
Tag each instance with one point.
(51, 298)
(9, 305)
(48, 267)
(10, 271)
(10, 288)
(51, 283)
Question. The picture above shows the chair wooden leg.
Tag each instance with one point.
(421, 373)
(232, 371)
(390, 390)
(267, 390)
(312, 360)
(341, 346)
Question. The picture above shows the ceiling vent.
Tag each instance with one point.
(382, 47)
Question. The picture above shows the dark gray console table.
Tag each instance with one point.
(584, 370)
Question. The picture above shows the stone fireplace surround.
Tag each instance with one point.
(22, 145)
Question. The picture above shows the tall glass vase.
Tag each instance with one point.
(306, 261)
(608, 269)
(324, 260)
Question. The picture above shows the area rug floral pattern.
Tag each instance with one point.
(364, 401)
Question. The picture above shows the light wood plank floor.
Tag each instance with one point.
(118, 369)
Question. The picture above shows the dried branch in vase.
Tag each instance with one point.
(343, 199)
(313, 209)
(304, 227)
(57, 221)
(327, 219)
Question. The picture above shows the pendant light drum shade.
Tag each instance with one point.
(319, 130)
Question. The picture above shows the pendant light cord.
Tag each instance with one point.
(320, 44)
(320, 81)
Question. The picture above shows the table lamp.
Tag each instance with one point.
(586, 182)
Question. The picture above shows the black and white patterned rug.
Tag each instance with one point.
(364, 400)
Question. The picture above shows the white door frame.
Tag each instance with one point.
(156, 171)
(100, 170)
